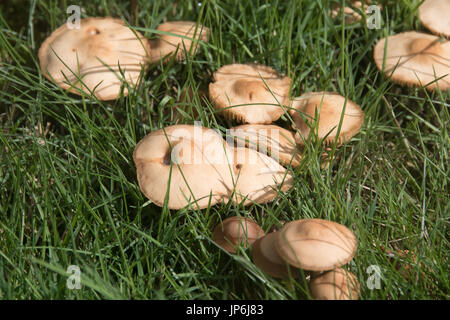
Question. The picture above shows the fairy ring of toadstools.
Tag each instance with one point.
(186, 166)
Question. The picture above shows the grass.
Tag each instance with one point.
(68, 188)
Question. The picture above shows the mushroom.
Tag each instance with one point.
(404, 261)
(351, 13)
(187, 164)
(268, 260)
(249, 93)
(415, 58)
(258, 178)
(176, 37)
(434, 15)
(271, 140)
(329, 108)
(337, 284)
(94, 58)
(316, 244)
(236, 231)
(251, 70)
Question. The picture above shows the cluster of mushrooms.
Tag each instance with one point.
(192, 166)
(104, 57)
(186, 165)
(250, 164)
(412, 58)
(103, 54)
(317, 247)
(416, 58)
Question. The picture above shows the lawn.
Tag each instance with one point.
(68, 188)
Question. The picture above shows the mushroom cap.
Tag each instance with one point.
(268, 260)
(249, 98)
(195, 164)
(329, 107)
(337, 284)
(316, 244)
(435, 14)
(351, 15)
(271, 140)
(258, 177)
(251, 70)
(183, 34)
(96, 53)
(413, 58)
(236, 231)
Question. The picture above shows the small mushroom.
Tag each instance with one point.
(272, 140)
(435, 15)
(97, 54)
(337, 284)
(316, 244)
(185, 163)
(236, 231)
(329, 108)
(268, 260)
(352, 13)
(415, 59)
(177, 36)
(249, 93)
(258, 178)
(404, 262)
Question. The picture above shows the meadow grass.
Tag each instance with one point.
(68, 188)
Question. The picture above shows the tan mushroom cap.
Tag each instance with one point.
(251, 70)
(195, 164)
(249, 99)
(181, 35)
(268, 260)
(236, 231)
(351, 11)
(435, 15)
(258, 178)
(272, 140)
(337, 284)
(329, 107)
(316, 244)
(414, 58)
(96, 52)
